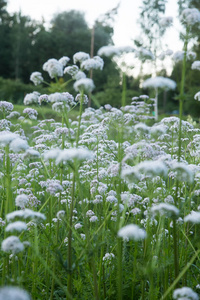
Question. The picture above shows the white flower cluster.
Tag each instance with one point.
(114, 51)
(31, 98)
(32, 113)
(53, 67)
(190, 16)
(132, 232)
(185, 293)
(196, 65)
(166, 22)
(159, 82)
(36, 78)
(13, 293)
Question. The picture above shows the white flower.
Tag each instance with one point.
(193, 217)
(108, 257)
(132, 231)
(185, 293)
(21, 200)
(6, 107)
(31, 153)
(31, 98)
(166, 22)
(36, 78)
(74, 153)
(190, 16)
(13, 293)
(159, 82)
(51, 154)
(18, 226)
(64, 60)
(183, 172)
(108, 51)
(84, 84)
(18, 145)
(77, 226)
(197, 96)
(6, 137)
(196, 65)
(165, 209)
(25, 214)
(93, 219)
(93, 63)
(53, 67)
(80, 57)
(71, 70)
(12, 244)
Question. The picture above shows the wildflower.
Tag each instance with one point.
(165, 209)
(178, 56)
(190, 16)
(108, 51)
(193, 217)
(6, 107)
(108, 257)
(60, 214)
(13, 114)
(196, 65)
(183, 172)
(43, 98)
(79, 75)
(71, 70)
(18, 145)
(133, 232)
(83, 97)
(159, 82)
(6, 137)
(84, 84)
(197, 96)
(21, 200)
(36, 78)
(74, 153)
(18, 226)
(64, 60)
(25, 214)
(12, 244)
(93, 219)
(166, 22)
(51, 154)
(13, 293)
(93, 63)
(31, 98)
(185, 293)
(53, 67)
(31, 153)
(77, 226)
(80, 57)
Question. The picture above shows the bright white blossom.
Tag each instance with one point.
(193, 217)
(196, 65)
(12, 244)
(133, 232)
(80, 57)
(13, 293)
(84, 84)
(185, 293)
(16, 226)
(159, 82)
(53, 67)
(36, 78)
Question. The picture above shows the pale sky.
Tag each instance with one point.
(125, 28)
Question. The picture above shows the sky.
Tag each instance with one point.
(125, 28)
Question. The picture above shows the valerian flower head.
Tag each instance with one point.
(84, 84)
(132, 232)
(193, 217)
(13, 293)
(36, 78)
(165, 209)
(53, 67)
(93, 63)
(64, 60)
(197, 96)
(80, 57)
(159, 82)
(16, 226)
(185, 293)
(6, 107)
(31, 98)
(166, 22)
(190, 16)
(12, 244)
(196, 65)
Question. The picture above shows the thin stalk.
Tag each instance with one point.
(79, 120)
